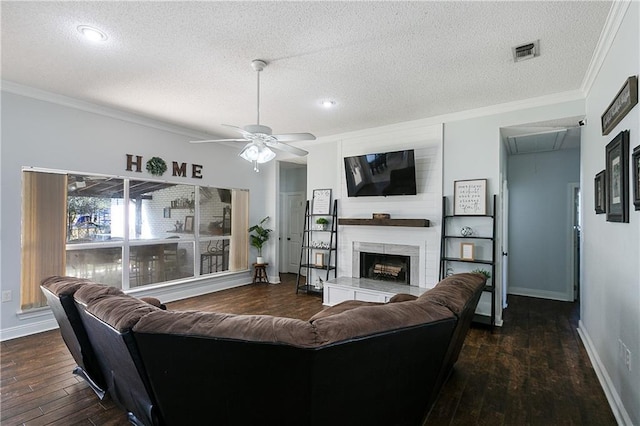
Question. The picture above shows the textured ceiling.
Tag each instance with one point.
(188, 63)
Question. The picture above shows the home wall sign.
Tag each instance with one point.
(157, 167)
(624, 102)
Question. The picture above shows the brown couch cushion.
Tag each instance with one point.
(259, 328)
(402, 297)
(63, 286)
(367, 320)
(91, 292)
(454, 292)
(341, 307)
(120, 312)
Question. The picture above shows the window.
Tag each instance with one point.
(128, 233)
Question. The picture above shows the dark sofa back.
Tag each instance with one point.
(108, 320)
(59, 292)
(252, 369)
(460, 294)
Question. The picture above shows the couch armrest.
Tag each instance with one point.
(154, 302)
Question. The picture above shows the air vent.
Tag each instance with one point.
(526, 51)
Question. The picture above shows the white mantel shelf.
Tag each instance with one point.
(413, 223)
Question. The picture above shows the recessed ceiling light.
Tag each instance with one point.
(91, 33)
(328, 103)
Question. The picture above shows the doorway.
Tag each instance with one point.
(292, 194)
(542, 167)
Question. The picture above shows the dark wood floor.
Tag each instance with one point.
(532, 371)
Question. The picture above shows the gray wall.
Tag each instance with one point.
(539, 235)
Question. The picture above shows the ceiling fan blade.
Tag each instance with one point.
(239, 130)
(219, 140)
(292, 137)
(288, 148)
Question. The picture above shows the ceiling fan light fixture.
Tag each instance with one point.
(257, 152)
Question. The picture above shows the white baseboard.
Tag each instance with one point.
(28, 329)
(542, 294)
(621, 415)
(43, 320)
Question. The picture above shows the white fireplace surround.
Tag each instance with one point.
(413, 252)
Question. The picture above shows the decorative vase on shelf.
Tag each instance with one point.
(466, 231)
(259, 260)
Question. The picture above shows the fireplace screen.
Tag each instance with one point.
(387, 267)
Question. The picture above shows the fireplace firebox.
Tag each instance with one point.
(386, 267)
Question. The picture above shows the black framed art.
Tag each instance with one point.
(599, 193)
(635, 166)
(617, 178)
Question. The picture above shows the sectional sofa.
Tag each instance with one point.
(353, 363)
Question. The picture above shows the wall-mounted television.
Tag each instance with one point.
(381, 174)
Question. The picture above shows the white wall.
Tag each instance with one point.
(539, 226)
(326, 170)
(473, 150)
(43, 134)
(610, 301)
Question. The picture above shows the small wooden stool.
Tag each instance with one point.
(260, 273)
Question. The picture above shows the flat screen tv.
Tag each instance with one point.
(382, 174)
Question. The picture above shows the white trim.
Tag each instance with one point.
(179, 290)
(619, 412)
(31, 92)
(508, 107)
(176, 290)
(543, 294)
(611, 26)
(570, 267)
(29, 329)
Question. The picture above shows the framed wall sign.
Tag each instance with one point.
(599, 193)
(321, 201)
(617, 178)
(635, 166)
(466, 251)
(624, 102)
(470, 197)
(188, 224)
(319, 260)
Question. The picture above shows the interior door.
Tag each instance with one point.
(295, 204)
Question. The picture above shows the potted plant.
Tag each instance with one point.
(322, 223)
(484, 272)
(258, 235)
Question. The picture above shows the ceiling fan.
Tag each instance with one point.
(259, 137)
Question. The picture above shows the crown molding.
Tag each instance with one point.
(541, 101)
(42, 95)
(608, 35)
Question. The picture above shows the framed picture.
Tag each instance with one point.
(599, 193)
(321, 201)
(188, 224)
(466, 251)
(319, 260)
(166, 212)
(624, 102)
(635, 166)
(470, 197)
(617, 178)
